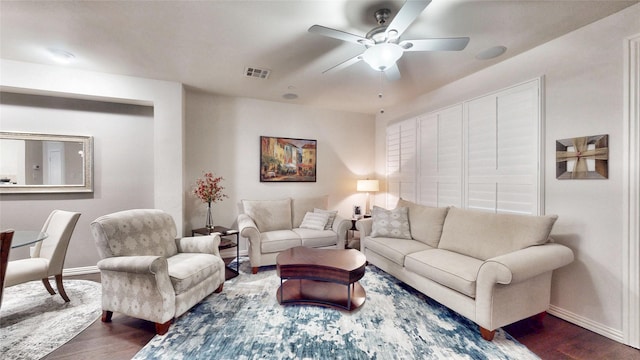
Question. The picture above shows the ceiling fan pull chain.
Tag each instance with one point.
(380, 93)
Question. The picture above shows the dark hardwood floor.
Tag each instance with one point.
(556, 339)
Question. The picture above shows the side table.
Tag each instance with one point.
(224, 242)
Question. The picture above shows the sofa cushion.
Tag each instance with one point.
(332, 217)
(317, 238)
(425, 222)
(300, 206)
(315, 220)
(278, 240)
(187, 270)
(269, 215)
(453, 270)
(394, 249)
(484, 235)
(390, 223)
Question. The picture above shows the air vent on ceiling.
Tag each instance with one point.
(254, 72)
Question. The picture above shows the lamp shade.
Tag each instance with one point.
(382, 56)
(368, 185)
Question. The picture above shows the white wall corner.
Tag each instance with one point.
(631, 193)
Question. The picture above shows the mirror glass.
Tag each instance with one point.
(45, 163)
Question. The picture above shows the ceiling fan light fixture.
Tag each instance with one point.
(382, 56)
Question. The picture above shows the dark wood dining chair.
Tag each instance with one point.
(5, 246)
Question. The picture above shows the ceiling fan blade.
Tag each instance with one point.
(392, 73)
(448, 44)
(344, 64)
(407, 14)
(337, 34)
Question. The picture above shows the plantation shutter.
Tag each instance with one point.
(401, 162)
(440, 158)
(502, 151)
(481, 154)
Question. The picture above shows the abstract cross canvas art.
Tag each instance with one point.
(584, 157)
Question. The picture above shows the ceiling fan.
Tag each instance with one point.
(382, 43)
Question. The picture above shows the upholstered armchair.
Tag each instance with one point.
(47, 256)
(148, 273)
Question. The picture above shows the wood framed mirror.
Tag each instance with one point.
(45, 163)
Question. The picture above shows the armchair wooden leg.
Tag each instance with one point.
(219, 289)
(254, 270)
(162, 329)
(47, 285)
(487, 334)
(106, 315)
(61, 288)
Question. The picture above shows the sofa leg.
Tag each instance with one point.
(106, 315)
(162, 329)
(537, 319)
(254, 270)
(487, 334)
(219, 289)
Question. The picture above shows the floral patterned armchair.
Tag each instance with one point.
(149, 274)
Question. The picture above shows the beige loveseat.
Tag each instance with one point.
(272, 226)
(494, 269)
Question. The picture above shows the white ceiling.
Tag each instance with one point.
(207, 45)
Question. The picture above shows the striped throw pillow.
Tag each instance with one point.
(314, 221)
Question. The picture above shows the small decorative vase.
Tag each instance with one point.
(209, 222)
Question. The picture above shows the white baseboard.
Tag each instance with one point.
(613, 334)
(80, 271)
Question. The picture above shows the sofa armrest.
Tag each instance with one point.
(152, 285)
(364, 226)
(247, 226)
(200, 244)
(249, 230)
(524, 264)
(341, 226)
(135, 264)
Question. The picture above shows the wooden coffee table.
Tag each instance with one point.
(325, 277)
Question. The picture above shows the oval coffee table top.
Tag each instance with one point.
(347, 260)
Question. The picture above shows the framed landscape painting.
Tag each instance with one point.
(287, 159)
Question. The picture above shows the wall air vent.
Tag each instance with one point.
(258, 73)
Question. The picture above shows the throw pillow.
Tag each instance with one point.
(425, 222)
(332, 217)
(314, 221)
(484, 235)
(269, 215)
(391, 223)
(300, 206)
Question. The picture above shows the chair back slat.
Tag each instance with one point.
(59, 227)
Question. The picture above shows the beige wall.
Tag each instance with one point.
(123, 171)
(583, 76)
(223, 136)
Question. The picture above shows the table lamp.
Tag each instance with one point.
(368, 186)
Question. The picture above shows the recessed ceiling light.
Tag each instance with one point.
(491, 53)
(290, 96)
(61, 56)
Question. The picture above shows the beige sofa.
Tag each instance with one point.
(494, 269)
(272, 226)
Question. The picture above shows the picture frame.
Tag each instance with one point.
(285, 159)
(585, 157)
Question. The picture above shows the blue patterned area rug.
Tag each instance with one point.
(34, 323)
(245, 321)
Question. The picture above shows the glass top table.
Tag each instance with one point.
(27, 237)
